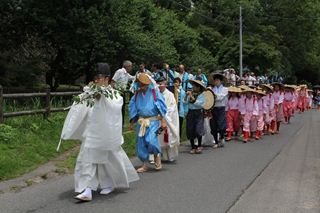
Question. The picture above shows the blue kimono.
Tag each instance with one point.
(203, 78)
(142, 106)
(183, 107)
(157, 75)
(185, 81)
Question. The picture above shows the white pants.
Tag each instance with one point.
(89, 175)
(170, 153)
(115, 171)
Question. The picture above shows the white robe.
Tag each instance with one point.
(207, 139)
(170, 150)
(101, 161)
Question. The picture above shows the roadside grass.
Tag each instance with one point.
(29, 141)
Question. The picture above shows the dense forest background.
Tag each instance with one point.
(59, 41)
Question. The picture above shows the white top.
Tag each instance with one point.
(171, 118)
(122, 77)
(251, 80)
(98, 127)
(221, 93)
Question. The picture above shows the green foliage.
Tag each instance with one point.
(278, 36)
(7, 133)
(30, 142)
(62, 40)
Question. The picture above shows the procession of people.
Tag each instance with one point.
(214, 108)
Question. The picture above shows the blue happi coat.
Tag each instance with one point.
(147, 105)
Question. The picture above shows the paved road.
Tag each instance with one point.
(278, 174)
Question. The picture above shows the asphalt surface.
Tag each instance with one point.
(292, 181)
(277, 174)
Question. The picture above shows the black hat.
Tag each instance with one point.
(161, 79)
(218, 75)
(103, 69)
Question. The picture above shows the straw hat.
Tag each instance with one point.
(296, 87)
(249, 90)
(289, 86)
(197, 82)
(234, 89)
(260, 92)
(277, 83)
(268, 86)
(243, 87)
(144, 78)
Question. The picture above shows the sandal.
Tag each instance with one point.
(157, 164)
(198, 151)
(142, 169)
(83, 198)
(193, 151)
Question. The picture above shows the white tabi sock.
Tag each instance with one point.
(87, 192)
(106, 191)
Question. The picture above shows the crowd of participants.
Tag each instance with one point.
(217, 108)
(245, 108)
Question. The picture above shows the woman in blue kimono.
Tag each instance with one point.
(147, 109)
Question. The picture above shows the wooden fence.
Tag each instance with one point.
(46, 111)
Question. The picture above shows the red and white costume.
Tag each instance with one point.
(302, 99)
(249, 110)
(269, 101)
(278, 97)
(288, 104)
(233, 115)
(263, 110)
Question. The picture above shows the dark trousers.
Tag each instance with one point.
(180, 126)
(193, 146)
(218, 123)
(195, 124)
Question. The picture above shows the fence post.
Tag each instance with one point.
(47, 113)
(1, 104)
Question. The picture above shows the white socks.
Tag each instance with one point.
(106, 191)
(87, 192)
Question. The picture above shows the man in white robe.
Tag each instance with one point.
(169, 139)
(101, 163)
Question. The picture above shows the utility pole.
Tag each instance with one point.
(240, 35)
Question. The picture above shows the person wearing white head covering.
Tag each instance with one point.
(169, 139)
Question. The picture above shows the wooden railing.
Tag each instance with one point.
(46, 111)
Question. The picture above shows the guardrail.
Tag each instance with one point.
(46, 111)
